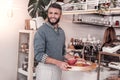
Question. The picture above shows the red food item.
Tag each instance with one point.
(76, 57)
(72, 61)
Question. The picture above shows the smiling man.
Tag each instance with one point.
(49, 47)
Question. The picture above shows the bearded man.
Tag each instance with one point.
(49, 46)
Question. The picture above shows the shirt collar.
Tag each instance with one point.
(56, 29)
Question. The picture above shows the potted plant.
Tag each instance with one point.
(38, 8)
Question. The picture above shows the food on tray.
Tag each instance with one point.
(79, 64)
(83, 64)
(72, 61)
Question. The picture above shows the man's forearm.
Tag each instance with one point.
(50, 60)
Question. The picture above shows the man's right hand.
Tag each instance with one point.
(62, 65)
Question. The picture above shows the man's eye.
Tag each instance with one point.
(55, 13)
(50, 13)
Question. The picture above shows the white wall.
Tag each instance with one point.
(10, 24)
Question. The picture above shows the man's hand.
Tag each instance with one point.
(62, 65)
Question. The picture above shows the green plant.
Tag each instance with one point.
(38, 8)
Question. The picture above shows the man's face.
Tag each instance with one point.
(54, 15)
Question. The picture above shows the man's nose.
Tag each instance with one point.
(53, 15)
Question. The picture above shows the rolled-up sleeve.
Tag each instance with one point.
(39, 47)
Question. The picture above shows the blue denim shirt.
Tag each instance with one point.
(48, 42)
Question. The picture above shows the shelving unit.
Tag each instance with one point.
(80, 7)
(94, 7)
(90, 11)
(93, 11)
(99, 63)
(105, 19)
(26, 49)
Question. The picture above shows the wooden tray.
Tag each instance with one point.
(79, 67)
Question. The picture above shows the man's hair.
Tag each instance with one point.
(55, 5)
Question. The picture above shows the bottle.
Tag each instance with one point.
(70, 45)
(25, 64)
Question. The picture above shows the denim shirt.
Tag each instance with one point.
(48, 42)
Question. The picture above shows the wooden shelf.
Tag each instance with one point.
(20, 70)
(95, 24)
(79, 12)
(111, 11)
(112, 54)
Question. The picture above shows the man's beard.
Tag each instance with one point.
(53, 23)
